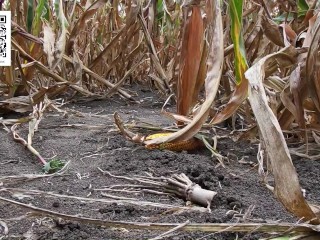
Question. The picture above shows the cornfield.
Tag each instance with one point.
(252, 63)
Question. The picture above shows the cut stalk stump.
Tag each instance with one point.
(177, 185)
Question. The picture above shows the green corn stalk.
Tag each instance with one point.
(42, 11)
(240, 61)
(30, 15)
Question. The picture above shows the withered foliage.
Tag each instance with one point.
(96, 48)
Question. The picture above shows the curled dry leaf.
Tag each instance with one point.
(287, 188)
(297, 87)
(130, 135)
(48, 43)
(271, 30)
(289, 36)
(313, 61)
(60, 44)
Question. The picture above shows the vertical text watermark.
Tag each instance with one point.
(5, 38)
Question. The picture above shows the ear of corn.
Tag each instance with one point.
(157, 135)
(186, 145)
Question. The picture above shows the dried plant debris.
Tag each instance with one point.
(204, 227)
(178, 185)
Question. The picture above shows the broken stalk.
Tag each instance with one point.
(36, 116)
(179, 185)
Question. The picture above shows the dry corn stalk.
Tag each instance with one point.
(178, 185)
(186, 145)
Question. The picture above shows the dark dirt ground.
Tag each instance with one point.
(238, 185)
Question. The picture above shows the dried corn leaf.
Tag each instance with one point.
(312, 64)
(48, 43)
(214, 64)
(60, 45)
(297, 86)
(154, 56)
(80, 24)
(287, 187)
(190, 58)
(271, 30)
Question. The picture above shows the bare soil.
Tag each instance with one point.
(238, 185)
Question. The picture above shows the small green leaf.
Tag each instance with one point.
(303, 7)
(53, 166)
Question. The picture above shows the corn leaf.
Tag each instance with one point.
(30, 14)
(303, 7)
(287, 188)
(271, 30)
(237, 38)
(60, 45)
(80, 24)
(214, 66)
(240, 62)
(190, 58)
(49, 43)
(313, 61)
(41, 11)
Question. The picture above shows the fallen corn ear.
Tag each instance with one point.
(178, 146)
(156, 135)
(187, 145)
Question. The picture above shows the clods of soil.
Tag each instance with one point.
(90, 141)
